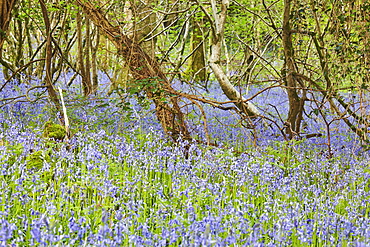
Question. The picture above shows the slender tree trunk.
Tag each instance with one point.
(20, 37)
(218, 26)
(48, 60)
(29, 41)
(87, 57)
(296, 103)
(81, 63)
(197, 62)
(6, 7)
(94, 51)
(143, 69)
(144, 23)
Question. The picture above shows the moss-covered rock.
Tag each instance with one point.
(54, 131)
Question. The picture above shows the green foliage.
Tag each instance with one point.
(14, 152)
(284, 154)
(141, 89)
(151, 85)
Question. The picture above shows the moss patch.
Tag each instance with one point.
(54, 131)
(36, 160)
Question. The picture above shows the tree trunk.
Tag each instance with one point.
(87, 57)
(94, 51)
(146, 71)
(296, 104)
(6, 7)
(197, 62)
(144, 23)
(84, 69)
(48, 60)
(218, 27)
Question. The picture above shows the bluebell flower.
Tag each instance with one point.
(36, 234)
(6, 231)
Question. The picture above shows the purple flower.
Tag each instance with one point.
(36, 234)
(6, 230)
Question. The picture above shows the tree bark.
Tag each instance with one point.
(144, 23)
(218, 27)
(296, 103)
(48, 60)
(87, 58)
(197, 62)
(6, 7)
(94, 51)
(144, 70)
(84, 68)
